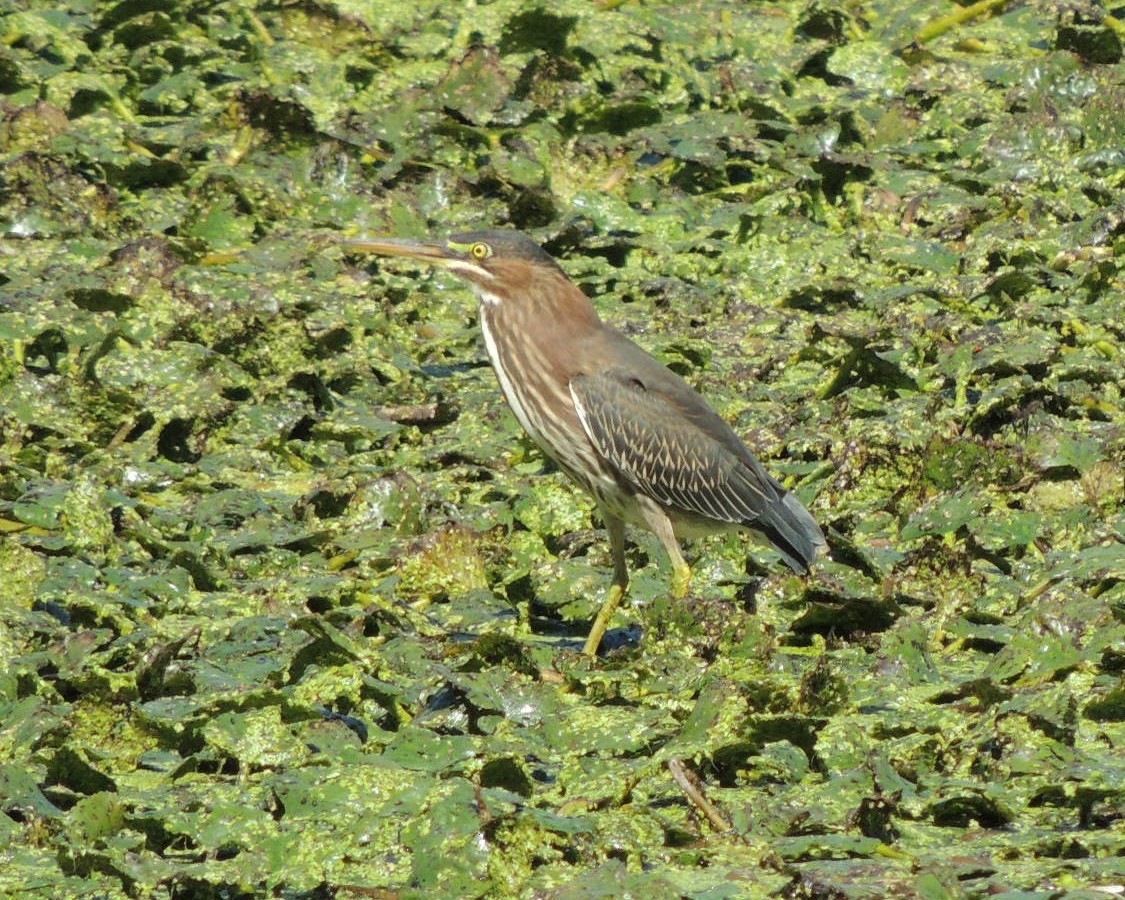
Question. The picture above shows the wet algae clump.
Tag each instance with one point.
(290, 603)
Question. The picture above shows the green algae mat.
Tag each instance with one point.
(290, 607)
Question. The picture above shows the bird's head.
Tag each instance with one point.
(499, 265)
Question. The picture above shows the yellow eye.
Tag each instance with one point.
(480, 250)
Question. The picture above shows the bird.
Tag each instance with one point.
(649, 449)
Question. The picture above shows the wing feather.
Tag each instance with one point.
(688, 459)
(666, 455)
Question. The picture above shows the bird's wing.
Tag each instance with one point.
(665, 440)
(667, 455)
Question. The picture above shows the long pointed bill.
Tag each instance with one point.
(448, 256)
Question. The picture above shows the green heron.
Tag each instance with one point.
(629, 430)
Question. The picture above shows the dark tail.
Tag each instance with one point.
(793, 531)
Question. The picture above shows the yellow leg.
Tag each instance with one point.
(681, 579)
(616, 529)
(601, 621)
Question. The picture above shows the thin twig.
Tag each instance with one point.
(942, 24)
(691, 787)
